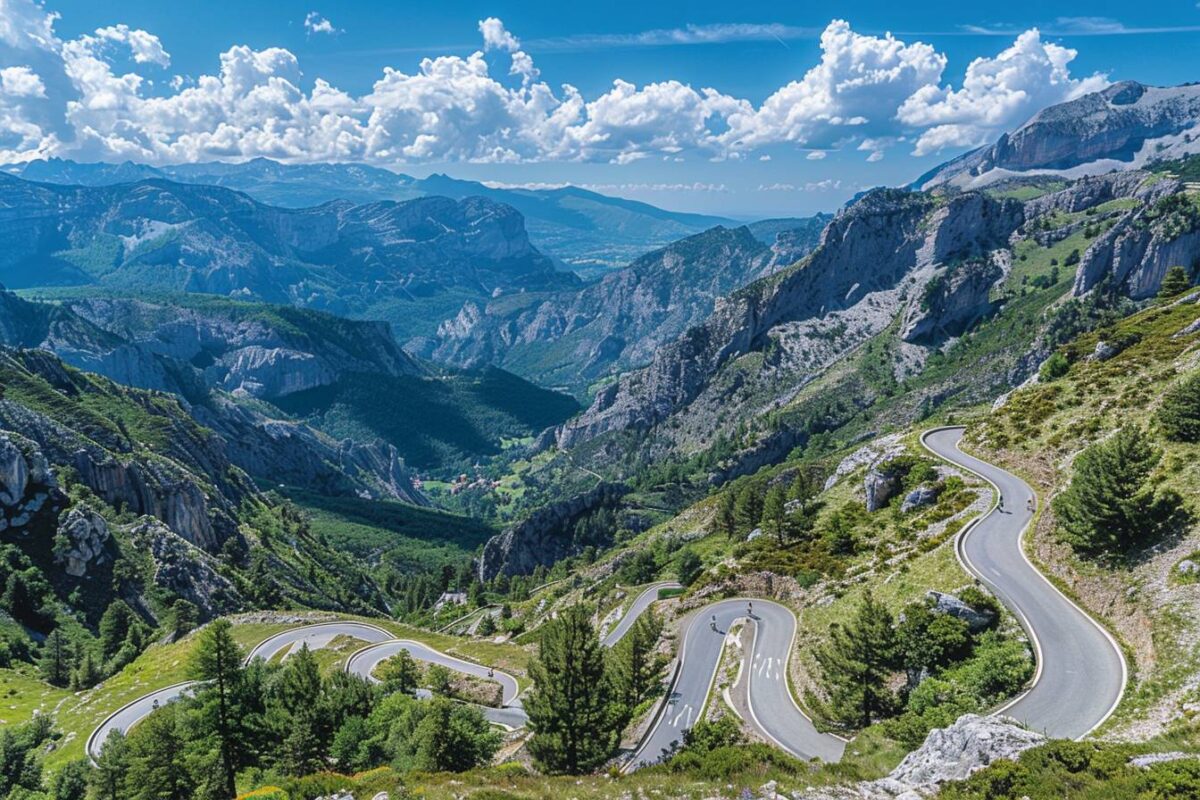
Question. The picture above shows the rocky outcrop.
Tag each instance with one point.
(80, 541)
(880, 485)
(26, 481)
(14, 472)
(185, 480)
(954, 753)
(1135, 254)
(185, 570)
(942, 603)
(919, 498)
(1091, 191)
(954, 298)
(544, 538)
(274, 372)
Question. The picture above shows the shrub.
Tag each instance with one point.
(1054, 367)
(1179, 416)
(1112, 503)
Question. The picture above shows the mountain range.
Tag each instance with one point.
(575, 337)
(585, 229)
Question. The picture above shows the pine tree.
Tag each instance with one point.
(86, 674)
(573, 711)
(400, 673)
(1174, 282)
(635, 667)
(157, 761)
(107, 781)
(218, 659)
(726, 521)
(1179, 415)
(857, 662)
(71, 780)
(690, 567)
(56, 662)
(774, 517)
(1112, 504)
(453, 737)
(747, 509)
(115, 627)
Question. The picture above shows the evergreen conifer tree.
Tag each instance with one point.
(573, 710)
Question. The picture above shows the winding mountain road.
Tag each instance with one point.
(1080, 676)
(635, 610)
(1081, 672)
(774, 711)
(510, 715)
(381, 645)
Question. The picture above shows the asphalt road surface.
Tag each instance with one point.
(511, 715)
(773, 710)
(1080, 670)
(643, 601)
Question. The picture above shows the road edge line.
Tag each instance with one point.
(1021, 547)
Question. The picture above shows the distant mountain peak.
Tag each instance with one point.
(1125, 126)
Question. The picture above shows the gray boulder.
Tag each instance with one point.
(880, 486)
(1103, 352)
(951, 605)
(954, 753)
(919, 497)
(82, 536)
(14, 472)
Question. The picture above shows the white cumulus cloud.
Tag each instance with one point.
(996, 93)
(315, 23)
(102, 96)
(21, 82)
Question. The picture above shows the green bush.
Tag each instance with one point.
(1113, 502)
(1179, 415)
(1054, 367)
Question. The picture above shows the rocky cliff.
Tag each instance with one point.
(1125, 126)
(210, 353)
(862, 275)
(574, 337)
(543, 538)
(94, 475)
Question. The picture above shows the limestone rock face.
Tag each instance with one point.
(83, 535)
(185, 569)
(543, 538)
(1121, 127)
(577, 335)
(918, 498)
(205, 350)
(26, 481)
(851, 288)
(1137, 251)
(274, 372)
(953, 299)
(14, 472)
(880, 485)
(954, 753)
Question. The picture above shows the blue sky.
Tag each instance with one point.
(802, 111)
